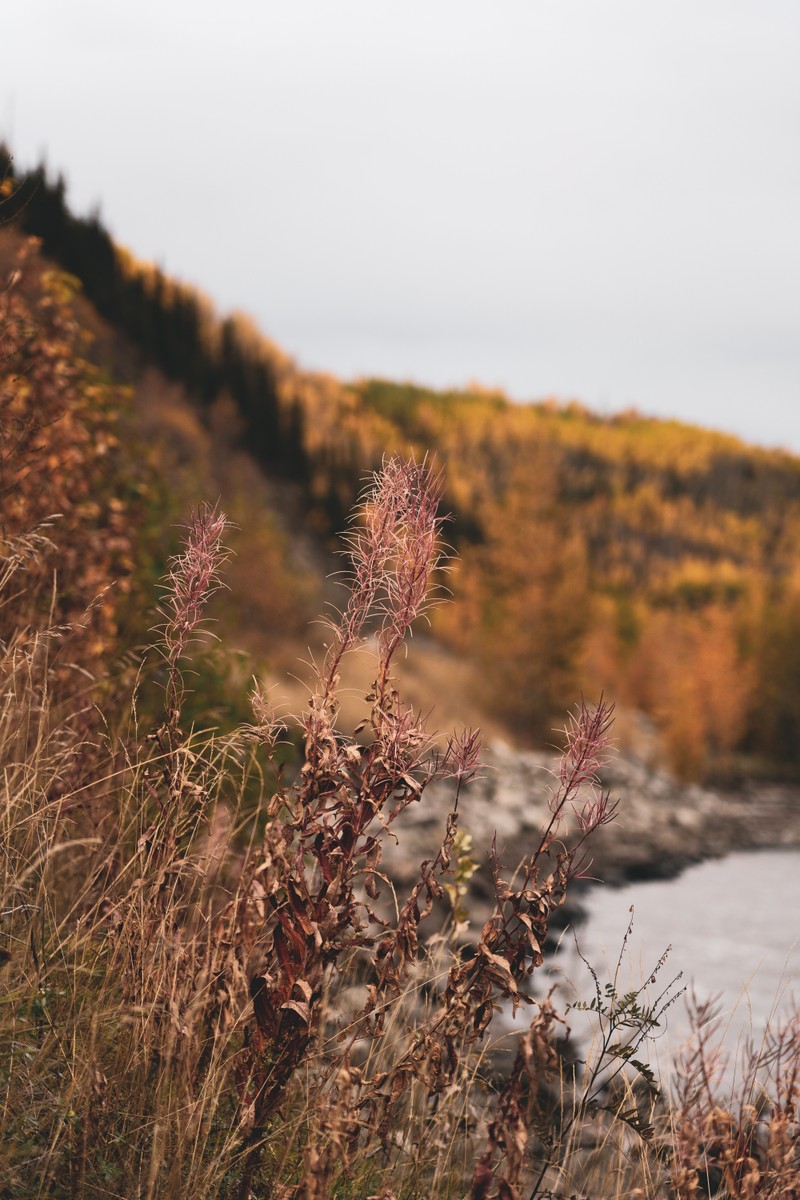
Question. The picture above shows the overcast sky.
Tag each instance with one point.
(591, 199)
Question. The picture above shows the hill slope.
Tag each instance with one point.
(655, 560)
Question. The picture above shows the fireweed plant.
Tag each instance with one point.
(199, 1003)
(308, 902)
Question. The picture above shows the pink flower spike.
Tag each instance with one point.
(193, 577)
(588, 737)
(461, 759)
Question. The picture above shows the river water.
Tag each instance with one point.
(734, 928)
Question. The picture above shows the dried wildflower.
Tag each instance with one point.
(461, 760)
(193, 578)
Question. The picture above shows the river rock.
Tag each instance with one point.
(661, 825)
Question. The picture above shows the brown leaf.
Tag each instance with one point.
(305, 988)
(482, 1178)
(300, 1007)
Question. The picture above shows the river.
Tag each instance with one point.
(733, 925)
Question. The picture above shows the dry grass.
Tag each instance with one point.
(181, 1004)
(210, 988)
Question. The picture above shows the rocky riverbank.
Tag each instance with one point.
(662, 826)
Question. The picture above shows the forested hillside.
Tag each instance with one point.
(651, 559)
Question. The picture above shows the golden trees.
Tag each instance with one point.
(690, 671)
(527, 597)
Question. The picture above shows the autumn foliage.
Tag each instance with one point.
(64, 475)
(210, 984)
(648, 558)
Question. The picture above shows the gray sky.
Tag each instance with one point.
(561, 197)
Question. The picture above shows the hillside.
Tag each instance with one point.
(653, 560)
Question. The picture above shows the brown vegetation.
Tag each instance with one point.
(199, 1002)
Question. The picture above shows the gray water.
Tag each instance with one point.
(734, 928)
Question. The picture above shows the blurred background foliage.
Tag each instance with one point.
(650, 559)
